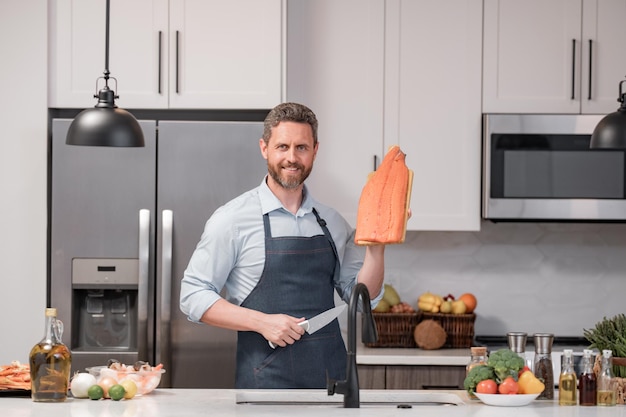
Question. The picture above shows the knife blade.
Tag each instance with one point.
(320, 321)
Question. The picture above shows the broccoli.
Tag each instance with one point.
(477, 374)
(505, 363)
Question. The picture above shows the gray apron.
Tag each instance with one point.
(297, 280)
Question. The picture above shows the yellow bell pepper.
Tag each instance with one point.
(530, 384)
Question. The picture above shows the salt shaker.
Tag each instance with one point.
(543, 363)
(517, 343)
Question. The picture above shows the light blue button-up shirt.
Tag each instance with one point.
(231, 251)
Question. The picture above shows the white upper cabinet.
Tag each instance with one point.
(393, 72)
(335, 61)
(228, 53)
(77, 52)
(169, 54)
(433, 108)
(604, 31)
(553, 56)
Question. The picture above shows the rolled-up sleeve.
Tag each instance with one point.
(208, 269)
(230, 256)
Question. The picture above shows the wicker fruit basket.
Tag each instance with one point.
(459, 327)
(395, 330)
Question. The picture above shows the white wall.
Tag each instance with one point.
(531, 277)
(23, 175)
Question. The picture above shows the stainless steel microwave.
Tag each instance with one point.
(540, 167)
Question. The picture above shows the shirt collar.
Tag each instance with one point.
(269, 202)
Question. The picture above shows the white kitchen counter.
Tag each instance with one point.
(198, 402)
(411, 356)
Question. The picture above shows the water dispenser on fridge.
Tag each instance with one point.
(104, 297)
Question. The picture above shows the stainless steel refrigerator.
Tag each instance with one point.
(123, 225)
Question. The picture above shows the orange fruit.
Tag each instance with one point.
(470, 301)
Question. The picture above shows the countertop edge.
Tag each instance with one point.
(412, 356)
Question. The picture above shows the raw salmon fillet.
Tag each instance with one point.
(383, 207)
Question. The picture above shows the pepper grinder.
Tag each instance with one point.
(543, 363)
(517, 343)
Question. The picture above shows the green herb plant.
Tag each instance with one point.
(610, 334)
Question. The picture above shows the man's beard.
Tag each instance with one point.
(291, 182)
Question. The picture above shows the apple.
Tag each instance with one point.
(458, 307)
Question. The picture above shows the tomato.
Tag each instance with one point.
(508, 386)
(524, 369)
(487, 386)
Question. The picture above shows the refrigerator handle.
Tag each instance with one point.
(164, 336)
(142, 291)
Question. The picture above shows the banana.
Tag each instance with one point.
(438, 300)
(429, 302)
(427, 297)
(425, 306)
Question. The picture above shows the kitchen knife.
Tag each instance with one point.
(321, 320)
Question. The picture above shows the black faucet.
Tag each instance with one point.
(350, 387)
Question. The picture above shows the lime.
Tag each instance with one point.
(116, 392)
(95, 392)
(130, 387)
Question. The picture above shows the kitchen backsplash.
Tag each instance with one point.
(532, 277)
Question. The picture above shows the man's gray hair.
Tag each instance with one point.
(289, 112)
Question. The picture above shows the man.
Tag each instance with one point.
(280, 255)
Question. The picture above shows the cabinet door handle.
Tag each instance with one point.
(160, 58)
(375, 162)
(573, 68)
(590, 67)
(177, 57)
(444, 387)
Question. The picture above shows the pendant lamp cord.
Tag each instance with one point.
(106, 44)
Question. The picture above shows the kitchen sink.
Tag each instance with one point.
(369, 398)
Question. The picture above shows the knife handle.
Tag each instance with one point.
(304, 324)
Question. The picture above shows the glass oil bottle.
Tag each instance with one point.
(567, 380)
(607, 394)
(587, 384)
(50, 363)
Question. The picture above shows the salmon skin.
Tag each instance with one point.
(383, 207)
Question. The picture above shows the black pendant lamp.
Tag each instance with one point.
(105, 124)
(610, 133)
